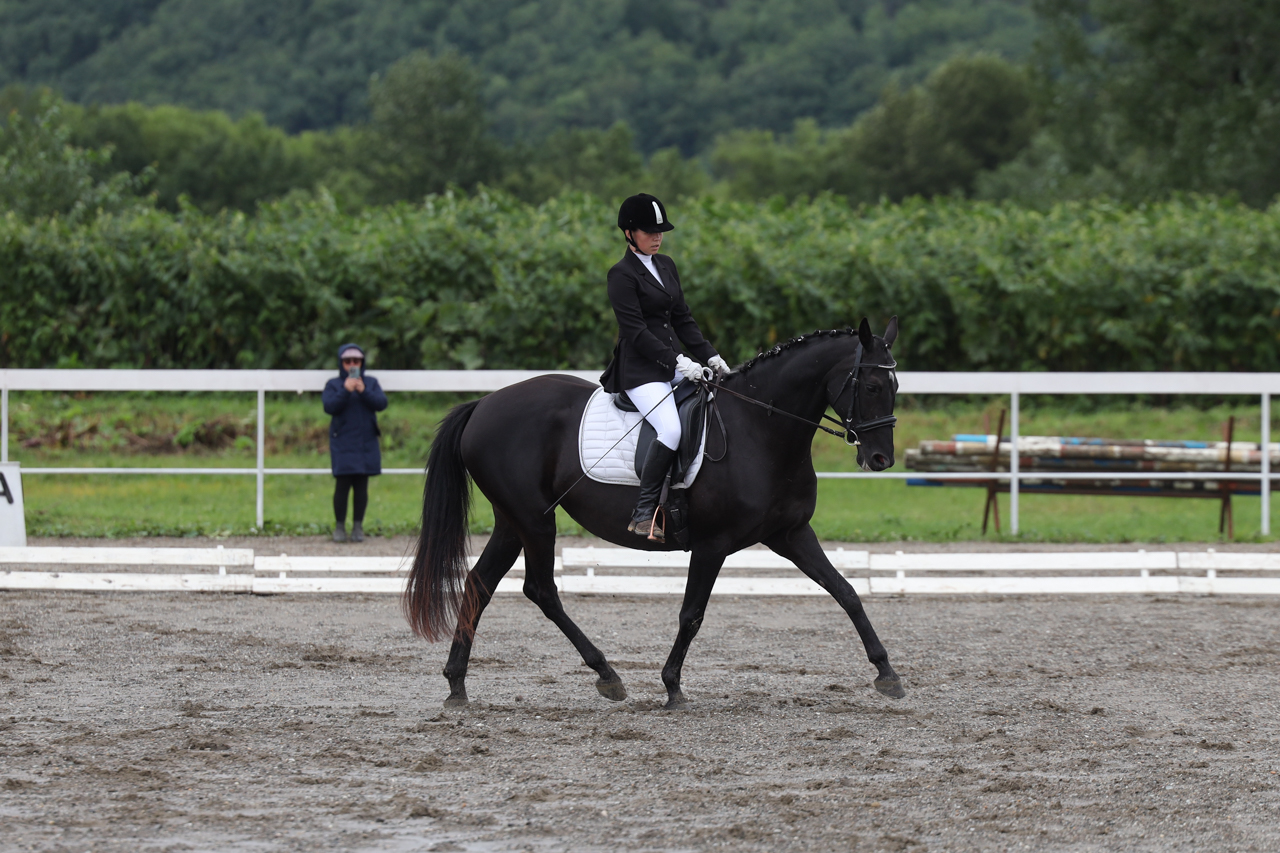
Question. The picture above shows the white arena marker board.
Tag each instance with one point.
(1236, 560)
(213, 557)
(580, 577)
(127, 582)
(674, 585)
(13, 517)
(375, 586)
(353, 565)
(625, 558)
(1024, 585)
(277, 585)
(1028, 561)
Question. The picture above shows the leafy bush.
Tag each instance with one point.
(487, 281)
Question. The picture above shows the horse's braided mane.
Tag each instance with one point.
(782, 347)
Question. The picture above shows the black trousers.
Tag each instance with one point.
(359, 483)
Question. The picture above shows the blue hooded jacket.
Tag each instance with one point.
(353, 433)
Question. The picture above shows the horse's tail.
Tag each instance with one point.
(434, 591)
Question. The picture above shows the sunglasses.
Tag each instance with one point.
(352, 360)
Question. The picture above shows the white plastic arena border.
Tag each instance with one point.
(586, 571)
(1261, 385)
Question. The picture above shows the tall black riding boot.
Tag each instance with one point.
(656, 465)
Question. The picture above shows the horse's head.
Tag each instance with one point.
(862, 390)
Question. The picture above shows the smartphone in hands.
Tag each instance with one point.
(354, 372)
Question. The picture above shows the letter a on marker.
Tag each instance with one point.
(4, 489)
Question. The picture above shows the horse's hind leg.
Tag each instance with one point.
(495, 561)
(540, 587)
(800, 545)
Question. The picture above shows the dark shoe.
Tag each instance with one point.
(340, 533)
(656, 465)
(357, 532)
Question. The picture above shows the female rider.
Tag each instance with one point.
(644, 289)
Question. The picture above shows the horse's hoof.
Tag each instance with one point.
(614, 690)
(891, 687)
(456, 700)
(676, 702)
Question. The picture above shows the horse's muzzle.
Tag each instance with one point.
(875, 462)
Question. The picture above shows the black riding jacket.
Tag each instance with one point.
(651, 317)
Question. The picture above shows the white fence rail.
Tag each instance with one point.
(575, 572)
(1261, 385)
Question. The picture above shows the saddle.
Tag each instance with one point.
(691, 406)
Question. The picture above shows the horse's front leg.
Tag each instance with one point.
(703, 570)
(800, 545)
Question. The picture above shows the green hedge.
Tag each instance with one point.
(485, 281)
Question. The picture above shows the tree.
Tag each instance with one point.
(430, 128)
(679, 72)
(1168, 94)
(757, 164)
(972, 114)
(604, 163)
(217, 163)
(43, 174)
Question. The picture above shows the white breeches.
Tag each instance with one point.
(659, 412)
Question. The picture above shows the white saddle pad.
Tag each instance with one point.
(605, 426)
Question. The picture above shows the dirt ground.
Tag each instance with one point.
(218, 722)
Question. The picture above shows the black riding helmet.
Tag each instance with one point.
(643, 212)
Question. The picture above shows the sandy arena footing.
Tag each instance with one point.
(202, 722)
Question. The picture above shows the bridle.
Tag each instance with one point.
(852, 423)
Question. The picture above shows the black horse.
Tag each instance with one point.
(520, 446)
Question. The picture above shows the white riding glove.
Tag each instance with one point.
(719, 365)
(688, 368)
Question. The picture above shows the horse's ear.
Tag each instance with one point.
(864, 334)
(891, 331)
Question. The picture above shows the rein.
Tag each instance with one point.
(774, 410)
(850, 427)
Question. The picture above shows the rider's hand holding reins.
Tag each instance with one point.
(688, 368)
(719, 365)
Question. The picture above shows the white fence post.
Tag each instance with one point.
(4, 424)
(1013, 462)
(262, 451)
(1266, 465)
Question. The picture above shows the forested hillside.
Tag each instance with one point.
(678, 72)
(742, 100)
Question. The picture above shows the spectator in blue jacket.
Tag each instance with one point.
(353, 398)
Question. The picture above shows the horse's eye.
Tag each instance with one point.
(873, 389)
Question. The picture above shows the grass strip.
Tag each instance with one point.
(90, 431)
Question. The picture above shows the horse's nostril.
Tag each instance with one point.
(880, 460)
